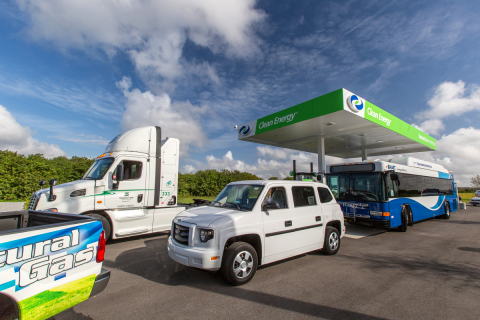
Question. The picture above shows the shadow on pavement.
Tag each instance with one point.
(153, 263)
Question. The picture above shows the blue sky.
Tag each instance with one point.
(73, 74)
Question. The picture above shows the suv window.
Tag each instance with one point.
(325, 195)
(276, 195)
(303, 196)
(132, 170)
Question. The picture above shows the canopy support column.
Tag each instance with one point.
(321, 158)
(364, 154)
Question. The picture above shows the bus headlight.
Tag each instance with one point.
(376, 213)
(206, 234)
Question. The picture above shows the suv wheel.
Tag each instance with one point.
(332, 241)
(239, 263)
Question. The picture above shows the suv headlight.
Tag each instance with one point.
(206, 234)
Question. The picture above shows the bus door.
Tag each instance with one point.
(395, 204)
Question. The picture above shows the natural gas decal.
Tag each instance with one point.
(38, 264)
(277, 120)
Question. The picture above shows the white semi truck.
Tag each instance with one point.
(132, 187)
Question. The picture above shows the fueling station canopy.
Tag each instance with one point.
(339, 124)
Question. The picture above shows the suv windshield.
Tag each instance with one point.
(361, 187)
(238, 196)
(98, 169)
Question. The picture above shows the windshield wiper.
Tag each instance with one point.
(239, 208)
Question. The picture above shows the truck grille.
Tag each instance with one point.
(181, 234)
(32, 204)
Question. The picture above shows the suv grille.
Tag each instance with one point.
(181, 233)
(32, 204)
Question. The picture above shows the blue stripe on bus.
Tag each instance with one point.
(7, 285)
(443, 175)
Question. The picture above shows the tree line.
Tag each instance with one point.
(19, 175)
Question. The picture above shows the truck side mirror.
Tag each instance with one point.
(119, 174)
(42, 183)
(52, 197)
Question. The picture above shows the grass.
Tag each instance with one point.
(466, 196)
(189, 199)
(50, 302)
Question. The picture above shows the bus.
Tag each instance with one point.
(393, 193)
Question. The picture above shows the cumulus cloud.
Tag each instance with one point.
(458, 152)
(14, 137)
(152, 32)
(433, 127)
(272, 162)
(452, 99)
(179, 120)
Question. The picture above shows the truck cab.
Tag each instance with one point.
(131, 187)
(253, 223)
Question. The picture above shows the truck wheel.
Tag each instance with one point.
(239, 263)
(332, 241)
(447, 211)
(105, 223)
(404, 217)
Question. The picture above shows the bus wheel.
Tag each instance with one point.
(410, 217)
(447, 211)
(403, 227)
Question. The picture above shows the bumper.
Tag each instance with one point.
(192, 257)
(100, 282)
(370, 222)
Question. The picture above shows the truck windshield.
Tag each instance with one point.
(98, 169)
(361, 187)
(238, 196)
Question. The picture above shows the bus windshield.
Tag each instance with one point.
(361, 187)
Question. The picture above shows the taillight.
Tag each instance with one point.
(101, 247)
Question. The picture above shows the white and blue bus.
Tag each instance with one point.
(392, 193)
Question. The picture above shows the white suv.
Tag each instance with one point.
(253, 223)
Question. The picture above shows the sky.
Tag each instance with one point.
(74, 74)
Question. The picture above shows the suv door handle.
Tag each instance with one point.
(318, 218)
(288, 223)
(140, 198)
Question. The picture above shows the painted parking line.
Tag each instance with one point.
(355, 231)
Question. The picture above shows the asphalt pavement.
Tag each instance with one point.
(430, 272)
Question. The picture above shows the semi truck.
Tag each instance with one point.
(48, 263)
(131, 188)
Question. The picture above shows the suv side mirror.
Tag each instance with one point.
(119, 175)
(271, 206)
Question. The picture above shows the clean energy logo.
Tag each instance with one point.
(169, 183)
(355, 103)
(244, 130)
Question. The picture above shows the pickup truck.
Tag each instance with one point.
(131, 187)
(252, 223)
(48, 263)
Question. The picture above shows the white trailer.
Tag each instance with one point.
(132, 187)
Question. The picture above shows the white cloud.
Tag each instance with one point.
(177, 120)
(458, 152)
(14, 137)
(433, 127)
(152, 32)
(452, 99)
(266, 166)
(79, 99)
